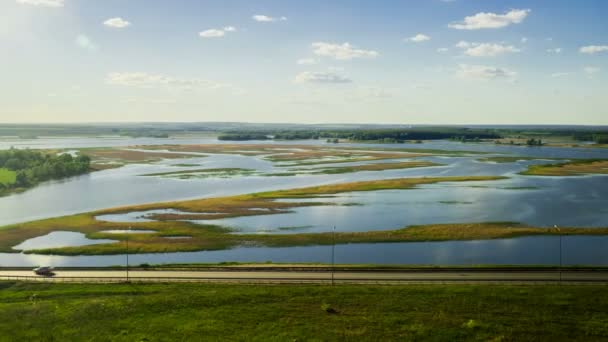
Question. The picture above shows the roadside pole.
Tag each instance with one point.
(128, 232)
(560, 253)
(560, 256)
(333, 252)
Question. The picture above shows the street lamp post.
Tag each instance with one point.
(560, 256)
(560, 253)
(333, 253)
(128, 232)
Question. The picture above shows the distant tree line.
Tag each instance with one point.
(32, 167)
(380, 135)
(595, 137)
(243, 136)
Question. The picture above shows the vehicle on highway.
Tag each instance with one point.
(44, 271)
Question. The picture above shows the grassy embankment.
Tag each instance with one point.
(104, 158)
(212, 237)
(571, 168)
(158, 312)
(375, 167)
(282, 155)
(296, 155)
(564, 167)
(204, 173)
(510, 159)
(233, 172)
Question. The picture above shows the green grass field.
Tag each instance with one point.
(7, 177)
(195, 312)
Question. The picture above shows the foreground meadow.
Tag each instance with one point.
(187, 312)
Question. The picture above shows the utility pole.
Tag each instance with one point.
(333, 253)
(560, 256)
(560, 253)
(128, 232)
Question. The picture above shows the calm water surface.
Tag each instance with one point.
(543, 201)
(521, 251)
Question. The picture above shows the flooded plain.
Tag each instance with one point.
(575, 201)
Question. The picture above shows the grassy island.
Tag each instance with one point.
(570, 168)
(214, 237)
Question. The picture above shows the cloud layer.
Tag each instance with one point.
(117, 23)
(45, 3)
(267, 19)
(320, 77)
(488, 20)
(486, 49)
(483, 72)
(146, 80)
(341, 51)
(419, 38)
(86, 43)
(592, 49)
(307, 61)
(216, 33)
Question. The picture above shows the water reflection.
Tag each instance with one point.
(59, 239)
(540, 250)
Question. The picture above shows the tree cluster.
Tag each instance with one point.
(534, 142)
(32, 167)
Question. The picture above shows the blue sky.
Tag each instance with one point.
(419, 62)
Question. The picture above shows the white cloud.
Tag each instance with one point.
(86, 43)
(484, 72)
(307, 61)
(589, 70)
(217, 33)
(341, 51)
(320, 77)
(267, 19)
(524, 40)
(463, 44)
(145, 80)
(560, 74)
(488, 20)
(117, 23)
(212, 33)
(375, 92)
(489, 50)
(485, 49)
(419, 38)
(591, 49)
(556, 50)
(148, 100)
(442, 50)
(366, 93)
(45, 3)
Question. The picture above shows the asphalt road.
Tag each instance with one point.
(312, 276)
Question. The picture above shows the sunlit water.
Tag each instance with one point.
(59, 239)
